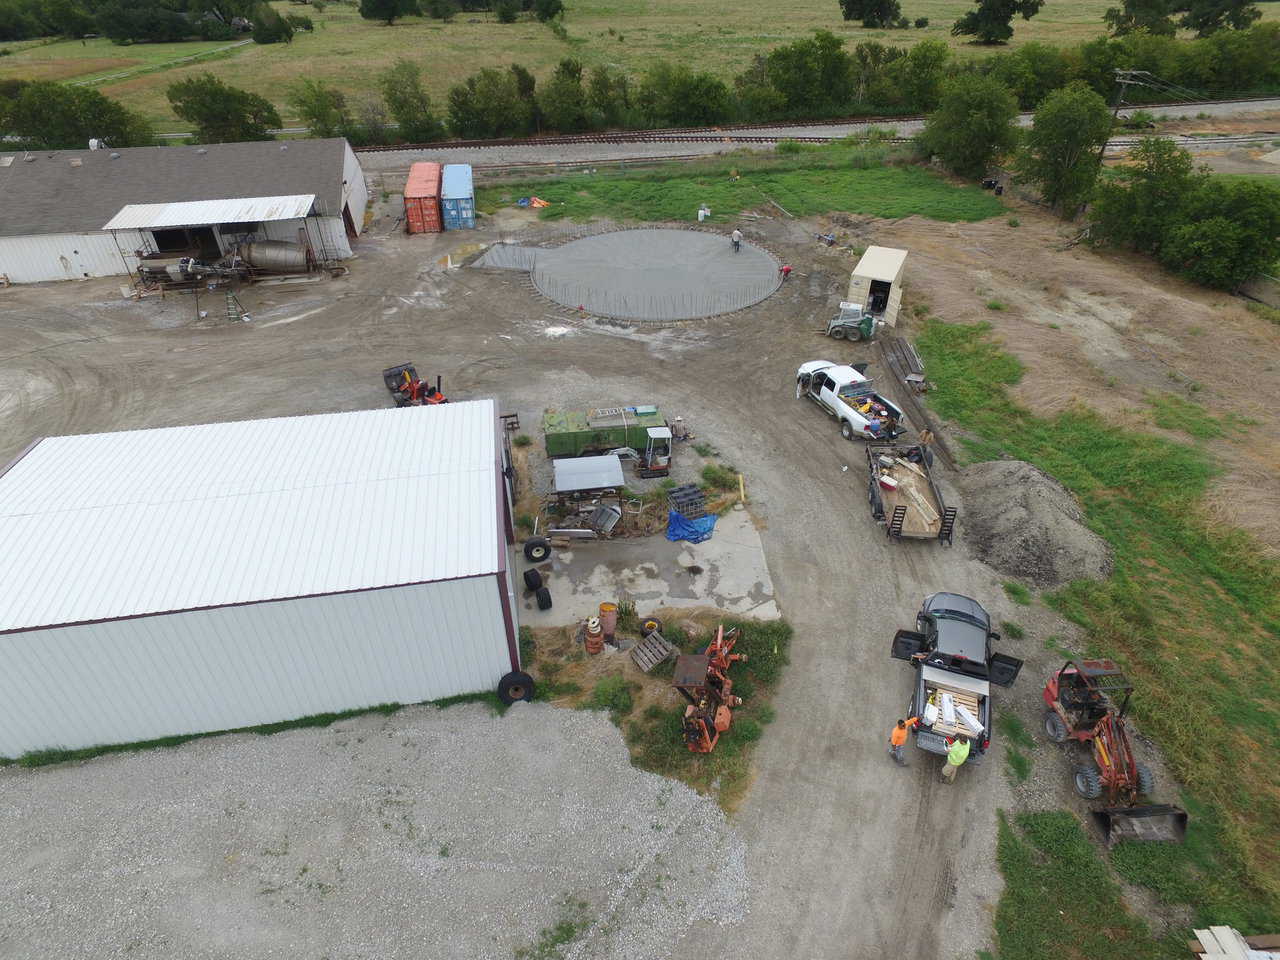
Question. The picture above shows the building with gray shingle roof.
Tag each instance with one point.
(55, 204)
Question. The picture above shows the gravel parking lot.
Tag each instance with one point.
(428, 833)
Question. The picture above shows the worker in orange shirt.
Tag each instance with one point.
(898, 739)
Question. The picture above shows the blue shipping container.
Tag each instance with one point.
(457, 197)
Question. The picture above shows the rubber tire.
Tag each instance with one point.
(1054, 727)
(1088, 783)
(532, 579)
(516, 685)
(846, 430)
(650, 625)
(544, 598)
(536, 550)
(838, 333)
(1146, 780)
(854, 335)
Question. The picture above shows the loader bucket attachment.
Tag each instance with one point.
(393, 377)
(1158, 823)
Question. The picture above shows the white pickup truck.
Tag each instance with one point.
(847, 394)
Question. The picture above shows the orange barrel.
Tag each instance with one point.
(608, 618)
(594, 636)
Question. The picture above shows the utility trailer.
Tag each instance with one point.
(903, 494)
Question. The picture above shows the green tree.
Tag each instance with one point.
(221, 113)
(974, 124)
(1147, 196)
(408, 103)
(546, 10)
(562, 103)
(813, 75)
(1062, 148)
(321, 107)
(1209, 16)
(1150, 15)
(1032, 71)
(992, 21)
(867, 65)
(42, 115)
(757, 98)
(872, 13)
(444, 10)
(508, 11)
(609, 95)
(489, 104)
(269, 26)
(68, 17)
(672, 95)
(388, 10)
(918, 76)
(1229, 234)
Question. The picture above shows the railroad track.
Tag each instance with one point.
(727, 133)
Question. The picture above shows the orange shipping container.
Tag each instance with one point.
(422, 198)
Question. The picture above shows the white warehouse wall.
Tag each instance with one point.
(355, 192)
(66, 256)
(197, 671)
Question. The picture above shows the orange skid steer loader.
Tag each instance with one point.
(703, 680)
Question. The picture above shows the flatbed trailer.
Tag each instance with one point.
(903, 494)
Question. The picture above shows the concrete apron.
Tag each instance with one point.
(728, 571)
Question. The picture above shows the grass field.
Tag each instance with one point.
(804, 185)
(1192, 611)
(349, 51)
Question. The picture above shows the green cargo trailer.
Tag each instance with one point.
(572, 433)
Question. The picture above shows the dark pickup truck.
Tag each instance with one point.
(950, 650)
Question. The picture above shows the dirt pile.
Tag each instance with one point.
(1024, 523)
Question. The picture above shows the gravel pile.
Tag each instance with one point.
(1024, 523)
(429, 833)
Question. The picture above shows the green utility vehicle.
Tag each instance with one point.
(640, 433)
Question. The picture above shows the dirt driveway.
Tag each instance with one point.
(847, 855)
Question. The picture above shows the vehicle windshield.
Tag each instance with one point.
(961, 616)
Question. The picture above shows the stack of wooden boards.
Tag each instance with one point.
(912, 490)
(957, 712)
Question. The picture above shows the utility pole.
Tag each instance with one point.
(1124, 78)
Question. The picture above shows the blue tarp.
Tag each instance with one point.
(680, 527)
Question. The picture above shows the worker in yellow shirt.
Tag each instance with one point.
(956, 756)
(898, 739)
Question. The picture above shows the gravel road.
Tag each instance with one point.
(430, 833)
(399, 160)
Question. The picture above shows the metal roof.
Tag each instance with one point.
(881, 263)
(588, 473)
(114, 525)
(76, 191)
(455, 182)
(198, 213)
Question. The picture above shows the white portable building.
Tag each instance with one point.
(201, 578)
(72, 214)
(876, 283)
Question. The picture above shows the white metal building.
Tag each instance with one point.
(191, 579)
(70, 214)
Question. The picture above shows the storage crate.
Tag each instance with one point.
(457, 197)
(422, 199)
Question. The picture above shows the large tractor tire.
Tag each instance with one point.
(1054, 727)
(532, 579)
(515, 686)
(838, 333)
(543, 596)
(536, 549)
(1088, 783)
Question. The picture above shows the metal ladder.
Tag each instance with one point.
(895, 522)
(235, 312)
(947, 530)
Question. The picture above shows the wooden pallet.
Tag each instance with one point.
(651, 651)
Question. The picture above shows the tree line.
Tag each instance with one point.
(1214, 232)
(148, 21)
(991, 21)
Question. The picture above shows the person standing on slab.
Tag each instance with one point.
(956, 756)
(736, 237)
(898, 739)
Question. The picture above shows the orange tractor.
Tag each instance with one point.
(409, 390)
(703, 680)
(1087, 703)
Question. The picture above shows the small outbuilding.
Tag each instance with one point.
(876, 283)
(201, 578)
(72, 214)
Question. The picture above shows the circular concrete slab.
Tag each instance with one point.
(655, 274)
